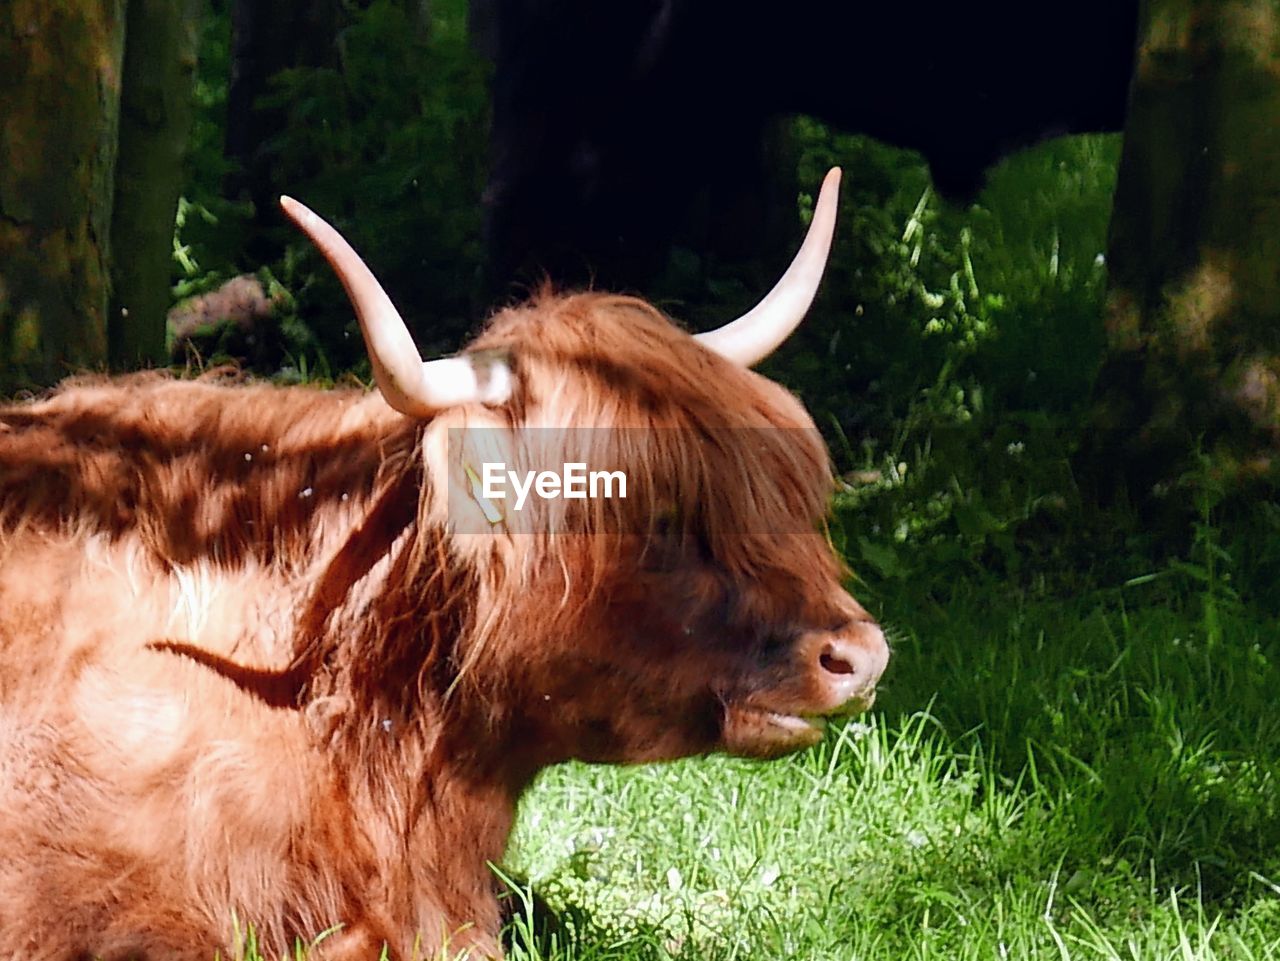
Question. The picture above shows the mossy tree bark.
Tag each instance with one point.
(60, 70)
(1193, 313)
(155, 121)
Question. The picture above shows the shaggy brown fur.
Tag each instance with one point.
(253, 666)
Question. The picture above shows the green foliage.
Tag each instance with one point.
(951, 355)
(949, 358)
(391, 147)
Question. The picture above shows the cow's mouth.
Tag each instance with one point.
(759, 732)
(797, 722)
(751, 730)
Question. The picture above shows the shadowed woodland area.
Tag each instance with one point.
(1047, 367)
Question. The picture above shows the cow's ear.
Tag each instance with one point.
(466, 451)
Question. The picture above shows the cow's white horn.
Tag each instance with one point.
(758, 333)
(411, 386)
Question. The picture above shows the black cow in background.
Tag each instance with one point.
(623, 126)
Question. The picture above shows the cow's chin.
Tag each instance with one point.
(751, 731)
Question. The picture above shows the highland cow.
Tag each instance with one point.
(267, 657)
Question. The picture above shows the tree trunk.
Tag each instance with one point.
(60, 70)
(155, 122)
(1194, 253)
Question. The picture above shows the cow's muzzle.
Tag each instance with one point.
(833, 674)
(844, 666)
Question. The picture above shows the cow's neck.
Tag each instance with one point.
(465, 822)
(443, 817)
(430, 755)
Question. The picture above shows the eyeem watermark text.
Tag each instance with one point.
(572, 482)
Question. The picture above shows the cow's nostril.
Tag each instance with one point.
(833, 664)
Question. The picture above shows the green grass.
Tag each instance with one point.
(1043, 778)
